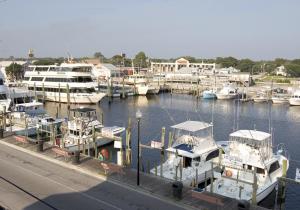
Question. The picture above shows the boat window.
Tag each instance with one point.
(260, 171)
(198, 159)
(26, 78)
(274, 166)
(187, 162)
(3, 96)
(249, 167)
(37, 78)
(212, 155)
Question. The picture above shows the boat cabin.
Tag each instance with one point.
(193, 142)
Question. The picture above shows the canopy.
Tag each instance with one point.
(192, 126)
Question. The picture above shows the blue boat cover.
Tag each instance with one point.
(185, 147)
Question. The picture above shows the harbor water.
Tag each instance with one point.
(165, 110)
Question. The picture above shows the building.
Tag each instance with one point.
(180, 63)
(105, 71)
(281, 71)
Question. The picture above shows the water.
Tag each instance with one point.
(166, 110)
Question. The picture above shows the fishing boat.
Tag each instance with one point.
(249, 165)
(153, 89)
(191, 152)
(69, 82)
(280, 98)
(227, 92)
(81, 130)
(139, 82)
(295, 98)
(209, 94)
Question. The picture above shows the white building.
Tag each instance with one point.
(180, 63)
(229, 70)
(105, 71)
(281, 71)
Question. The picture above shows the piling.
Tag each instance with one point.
(254, 191)
(162, 152)
(123, 87)
(44, 97)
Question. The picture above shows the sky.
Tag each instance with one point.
(255, 29)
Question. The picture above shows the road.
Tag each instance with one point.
(29, 183)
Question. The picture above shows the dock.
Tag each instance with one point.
(125, 175)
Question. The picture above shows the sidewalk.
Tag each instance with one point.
(149, 184)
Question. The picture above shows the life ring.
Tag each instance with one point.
(228, 173)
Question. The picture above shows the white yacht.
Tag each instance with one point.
(79, 130)
(193, 150)
(280, 98)
(54, 82)
(139, 82)
(227, 92)
(295, 98)
(261, 97)
(248, 157)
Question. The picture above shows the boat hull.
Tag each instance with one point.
(279, 101)
(142, 90)
(209, 95)
(226, 96)
(294, 101)
(78, 98)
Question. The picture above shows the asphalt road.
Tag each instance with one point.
(27, 182)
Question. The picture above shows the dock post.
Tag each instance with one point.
(162, 152)
(1, 126)
(212, 178)
(155, 168)
(196, 178)
(148, 166)
(123, 87)
(170, 142)
(180, 169)
(59, 94)
(68, 98)
(94, 141)
(254, 191)
(43, 87)
(205, 182)
(220, 156)
(282, 186)
(35, 96)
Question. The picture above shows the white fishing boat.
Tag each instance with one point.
(295, 98)
(26, 117)
(260, 98)
(193, 150)
(280, 98)
(82, 128)
(139, 82)
(249, 164)
(153, 89)
(68, 82)
(227, 92)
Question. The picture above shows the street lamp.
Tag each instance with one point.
(138, 116)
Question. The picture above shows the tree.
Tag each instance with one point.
(117, 60)
(293, 69)
(140, 60)
(227, 62)
(279, 61)
(14, 71)
(100, 56)
(246, 65)
(44, 62)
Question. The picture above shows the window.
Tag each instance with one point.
(212, 155)
(274, 166)
(198, 159)
(187, 162)
(3, 96)
(26, 78)
(260, 171)
(37, 78)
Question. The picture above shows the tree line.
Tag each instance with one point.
(141, 60)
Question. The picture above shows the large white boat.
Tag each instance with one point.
(280, 98)
(227, 92)
(193, 150)
(295, 98)
(69, 81)
(249, 157)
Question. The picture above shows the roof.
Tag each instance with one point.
(109, 66)
(82, 109)
(192, 126)
(251, 134)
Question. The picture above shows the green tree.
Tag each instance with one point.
(44, 62)
(246, 65)
(117, 60)
(14, 71)
(227, 62)
(280, 61)
(140, 60)
(100, 56)
(293, 69)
